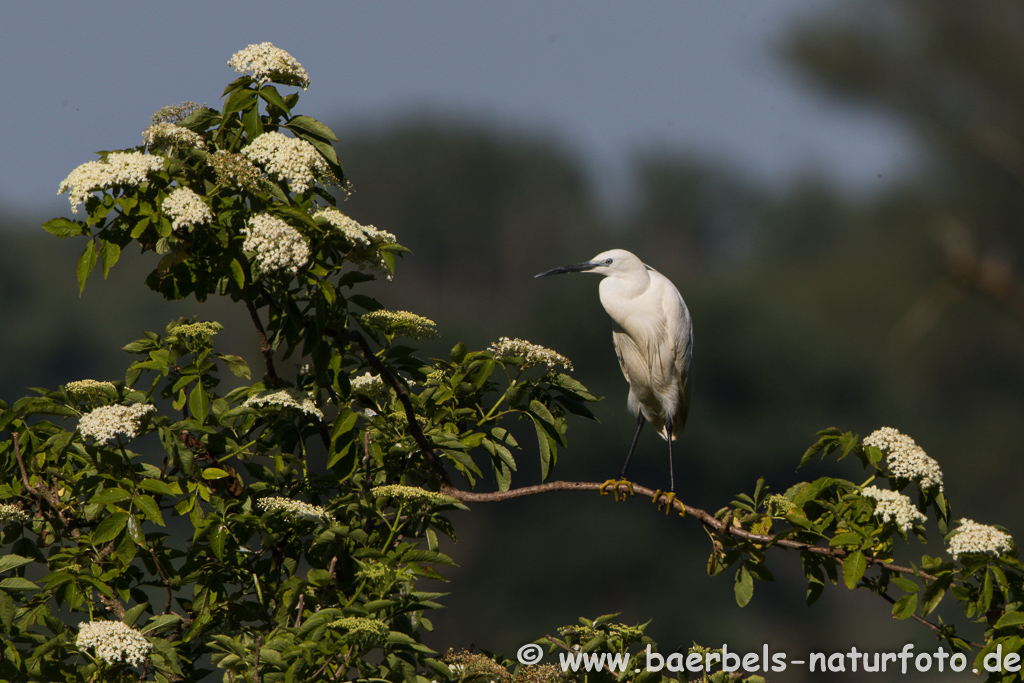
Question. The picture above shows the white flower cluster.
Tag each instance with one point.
(234, 169)
(892, 506)
(106, 422)
(277, 245)
(355, 233)
(12, 513)
(119, 168)
(290, 159)
(408, 493)
(185, 207)
(401, 322)
(266, 63)
(369, 385)
(532, 353)
(972, 537)
(114, 642)
(88, 386)
(287, 398)
(175, 113)
(165, 134)
(366, 240)
(905, 458)
(295, 508)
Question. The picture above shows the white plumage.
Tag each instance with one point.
(653, 337)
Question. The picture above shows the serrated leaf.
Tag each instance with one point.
(237, 366)
(743, 586)
(109, 254)
(86, 262)
(150, 508)
(313, 126)
(109, 528)
(1010, 619)
(905, 606)
(12, 561)
(62, 227)
(199, 403)
(18, 583)
(113, 495)
(853, 568)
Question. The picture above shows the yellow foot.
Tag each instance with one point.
(666, 499)
(618, 487)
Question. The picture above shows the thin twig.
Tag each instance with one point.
(265, 347)
(403, 397)
(921, 620)
(256, 660)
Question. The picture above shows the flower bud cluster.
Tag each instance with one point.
(106, 422)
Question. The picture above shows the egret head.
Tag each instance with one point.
(611, 263)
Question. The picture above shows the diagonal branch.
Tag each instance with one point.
(707, 519)
(403, 397)
(265, 348)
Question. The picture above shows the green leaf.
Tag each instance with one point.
(199, 403)
(157, 486)
(132, 615)
(1010, 619)
(237, 365)
(905, 606)
(846, 538)
(214, 473)
(18, 583)
(271, 96)
(12, 561)
(810, 491)
(86, 262)
(109, 254)
(105, 496)
(313, 126)
(150, 508)
(108, 529)
(546, 447)
(853, 568)
(7, 610)
(62, 227)
(743, 586)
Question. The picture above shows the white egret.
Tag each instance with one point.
(653, 338)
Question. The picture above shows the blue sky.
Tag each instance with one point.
(608, 77)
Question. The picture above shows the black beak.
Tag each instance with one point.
(574, 268)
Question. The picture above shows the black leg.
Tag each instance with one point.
(671, 476)
(639, 425)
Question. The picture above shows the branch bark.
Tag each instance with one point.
(403, 397)
(706, 518)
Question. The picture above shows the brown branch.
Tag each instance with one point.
(705, 518)
(265, 347)
(163, 576)
(403, 397)
(256, 661)
(40, 491)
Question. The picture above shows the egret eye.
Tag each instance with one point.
(607, 261)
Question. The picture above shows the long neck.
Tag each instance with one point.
(617, 293)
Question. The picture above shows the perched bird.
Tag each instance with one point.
(653, 338)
